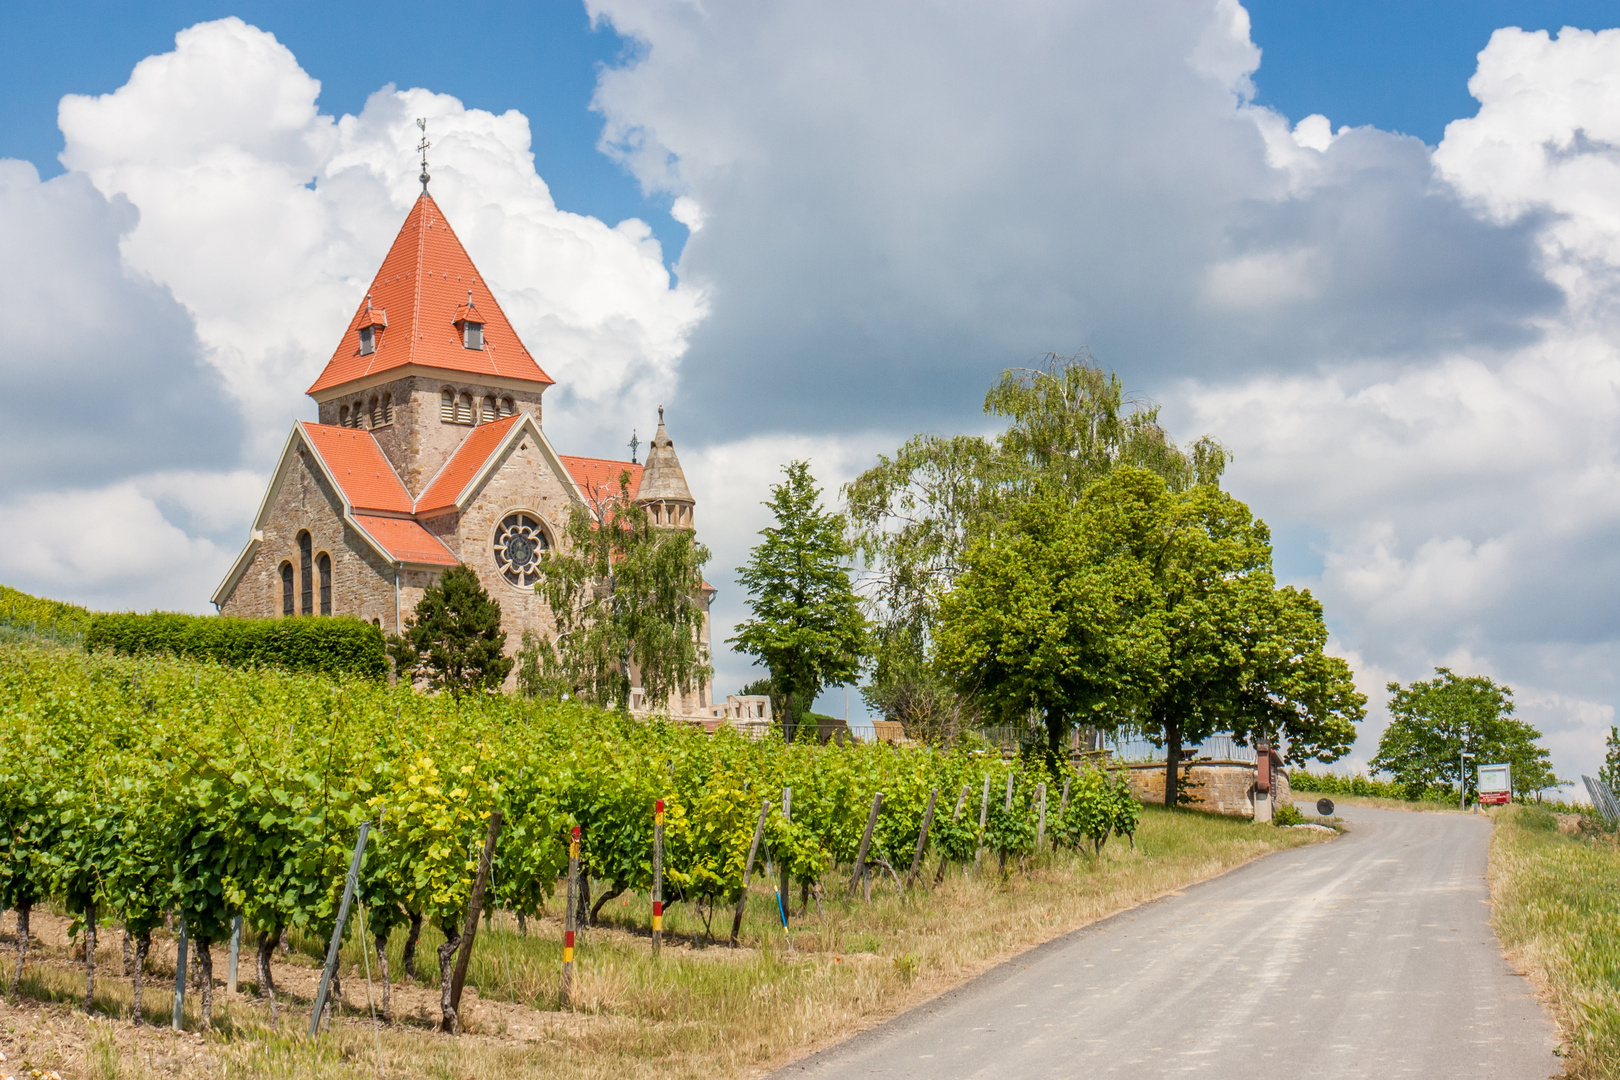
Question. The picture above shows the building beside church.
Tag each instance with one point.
(428, 450)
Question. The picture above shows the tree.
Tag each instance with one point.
(454, 640)
(627, 600)
(1434, 721)
(915, 514)
(1610, 773)
(807, 626)
(1142, 606)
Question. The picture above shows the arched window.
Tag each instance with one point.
(492, 411)
(343, 416)
(325, 565)
(507, 407)
(306, 580)
(358, 416)
(376, 412)
(388, 408)
(464, 408)
(447, 405)
(286, 590)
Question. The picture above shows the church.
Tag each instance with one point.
(429, 451)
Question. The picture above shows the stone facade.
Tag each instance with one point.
(1219, 787)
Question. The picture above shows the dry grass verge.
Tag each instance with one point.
(710, 1012)
(1556, 909)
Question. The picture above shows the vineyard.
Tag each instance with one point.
(137, 789)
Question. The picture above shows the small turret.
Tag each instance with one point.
(663, 492)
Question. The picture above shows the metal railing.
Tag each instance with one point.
(1603, 799)
(1217, 748)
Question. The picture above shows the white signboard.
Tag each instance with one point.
(1495, 784)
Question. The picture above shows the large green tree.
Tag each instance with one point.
(1140, 606)
(454, 640)
(807, 627)
(628, 601)
(1610, 773)
(1069, 422)
(1434, 721)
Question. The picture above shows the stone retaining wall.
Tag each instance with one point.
(1219, 787)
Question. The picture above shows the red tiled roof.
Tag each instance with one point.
(600, 474)
(464, 464)
(357, 463)
(406, 540)
(423, 281)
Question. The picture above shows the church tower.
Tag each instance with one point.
(663, 492)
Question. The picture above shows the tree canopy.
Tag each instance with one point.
(915, 514)
(806, 625)
(454, 640)
(1433, 721)
(627, 600)
(1140, 606)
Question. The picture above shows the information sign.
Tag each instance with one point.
(1495, 784)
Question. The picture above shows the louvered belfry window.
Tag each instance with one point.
(492, 411)
(388, 408)
(464, 408)
(306, 580)
(507, 407)
(447, 406)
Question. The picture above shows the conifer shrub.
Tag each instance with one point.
(327, 646)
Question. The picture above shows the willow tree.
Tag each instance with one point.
(627, 599)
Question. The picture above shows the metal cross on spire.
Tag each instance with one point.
(421, 123)
(634, 443)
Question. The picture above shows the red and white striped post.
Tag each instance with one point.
(658, 875)
(569, 916)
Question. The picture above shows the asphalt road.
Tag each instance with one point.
(1370, 956)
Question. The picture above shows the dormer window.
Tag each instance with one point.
(471, 324)
(370, 323)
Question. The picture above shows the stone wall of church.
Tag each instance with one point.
(524, 480)
(362, 582)
(417, 441)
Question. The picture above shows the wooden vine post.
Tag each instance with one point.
(179, 1023)
(475, 904)
(1001, 862)
(866, 843)
(748, 870)
(984, 817)
(1040, 824)
(922, 838)
(658, 876)
(232, 958)
(569, 917)
(1063, 804)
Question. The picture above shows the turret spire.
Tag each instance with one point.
(421, 123)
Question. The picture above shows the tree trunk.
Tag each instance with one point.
(142, 944)
(596, 908)
(23, 910)
(334, 1000)
(205, 972)
(448, 1021)
(1172, 762)
(408, 960)
(1057, 735)
(267, 981)
(787, 721)
(523, 926)
(382, 973)
(89, 955)
(582, 914)
(126, 954)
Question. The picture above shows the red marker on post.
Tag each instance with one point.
(658, 876)
(569, 916)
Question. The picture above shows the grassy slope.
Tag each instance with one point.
(697, 1012)
(1557, 909)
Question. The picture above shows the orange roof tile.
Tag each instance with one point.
(357, 463)
(600, 474)
(425, 278)
(406, 540)
(464, 464)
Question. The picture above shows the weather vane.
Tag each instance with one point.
(421, 123)
(634, 442)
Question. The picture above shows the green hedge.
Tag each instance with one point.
(329, 646)
(46, 618)
(1329, 783)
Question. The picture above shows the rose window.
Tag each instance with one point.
(519, 543)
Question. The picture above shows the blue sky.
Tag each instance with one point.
(1405, 332)
(1401, 66)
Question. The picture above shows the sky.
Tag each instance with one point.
(1372, 248)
